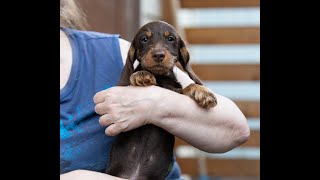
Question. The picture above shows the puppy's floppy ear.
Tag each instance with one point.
(184, 61)
(128, 68)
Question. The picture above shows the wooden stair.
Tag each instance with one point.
(222, 167)
(247, 35)
(219, 3)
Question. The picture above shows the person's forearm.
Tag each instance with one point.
(217, 130)
(87, 175)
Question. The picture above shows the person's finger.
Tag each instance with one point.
(106, 120)
(99, 97)
(113, 130)
(101, 108)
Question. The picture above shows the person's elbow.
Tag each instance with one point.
(240, 133)
(231, 138)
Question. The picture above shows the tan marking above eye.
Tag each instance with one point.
(149, 34)
(166, 33)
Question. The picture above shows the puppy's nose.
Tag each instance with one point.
(158, 56)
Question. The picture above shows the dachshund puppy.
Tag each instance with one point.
(146, 153)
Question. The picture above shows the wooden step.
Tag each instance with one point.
(219, 3)
(221, 167)
(250, 109)
(239, 35)
(236, 90)
(224, 72)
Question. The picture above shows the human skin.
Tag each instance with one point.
(216, 130)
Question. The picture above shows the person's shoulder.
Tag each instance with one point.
(85, 34)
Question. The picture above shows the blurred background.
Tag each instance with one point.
(224, 44)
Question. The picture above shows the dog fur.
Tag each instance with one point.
(146, 153)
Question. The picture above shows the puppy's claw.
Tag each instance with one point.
(201, 95)
(142, 78)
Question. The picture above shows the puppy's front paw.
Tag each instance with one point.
(142, 78)
(201, 95)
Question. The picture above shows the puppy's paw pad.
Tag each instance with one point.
(201, 95)
(142, 78)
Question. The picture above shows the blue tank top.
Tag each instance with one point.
(96, 65)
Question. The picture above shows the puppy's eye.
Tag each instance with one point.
(144, 39)
(171, 39)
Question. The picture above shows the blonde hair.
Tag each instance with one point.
(71, 15)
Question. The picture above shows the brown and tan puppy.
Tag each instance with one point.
(146, 153)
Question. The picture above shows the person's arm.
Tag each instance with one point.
(87, 175)
(219, 129)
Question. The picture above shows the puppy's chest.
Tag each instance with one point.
(169, 82)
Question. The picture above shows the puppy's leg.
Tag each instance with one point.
(142, 78)
(201, 95)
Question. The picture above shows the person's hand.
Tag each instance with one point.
(126, 108)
